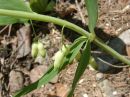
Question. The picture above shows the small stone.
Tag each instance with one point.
(115, 93)
(99, 76)
(107, 24)
(37, 72)
(94, 85)
(125, 37)
(16, 81)
(85, 95)
(81, 81)
(107, 88)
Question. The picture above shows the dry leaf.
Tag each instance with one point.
(24, 38)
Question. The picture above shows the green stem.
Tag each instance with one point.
(110, 51)
(44, 18)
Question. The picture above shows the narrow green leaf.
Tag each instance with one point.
(84, 60)
(51, 73)
(92, 8)
(13, 5)
(74, 50)
(60, 56)
(5, 20)
(76, 46)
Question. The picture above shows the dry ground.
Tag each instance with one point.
(18, 68)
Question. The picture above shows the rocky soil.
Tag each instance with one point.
(112, 79)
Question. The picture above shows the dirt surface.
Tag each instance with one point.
(19, 69)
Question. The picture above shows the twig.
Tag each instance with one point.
(12, 64)
(126, 8)
(112, 64)
(97, 52)
(10, 27)
(3, 29)
(80, 12)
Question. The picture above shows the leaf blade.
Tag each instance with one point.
(13, 5)
(74, 50)
(81, 67)
(43, 80)
(92, 9)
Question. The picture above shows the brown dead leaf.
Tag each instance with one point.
(24, 37)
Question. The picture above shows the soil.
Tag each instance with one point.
(19, 69)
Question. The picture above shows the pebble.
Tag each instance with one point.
(106, 88)
(125, 37)
(38, 72)
(99, 76)
(115, 93)
(81, 81)
(16, 81)
(85, 95)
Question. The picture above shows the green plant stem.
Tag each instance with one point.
(110, 51)
(44, 18)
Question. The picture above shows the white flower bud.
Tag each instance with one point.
(41, 49)
(59, 56)
(34, 50)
